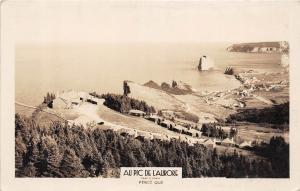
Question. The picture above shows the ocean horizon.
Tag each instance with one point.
(103, 67)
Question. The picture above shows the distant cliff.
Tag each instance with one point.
(260, 47)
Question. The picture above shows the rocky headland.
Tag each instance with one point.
(260, 47)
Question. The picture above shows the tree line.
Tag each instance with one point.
(277, 151)
(212, 130)
(124, 104)
(277, 114)
(59, 150)
(48, 99)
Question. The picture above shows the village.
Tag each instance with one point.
(181, 113)
(85, 107)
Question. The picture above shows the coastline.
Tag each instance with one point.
(209, 107)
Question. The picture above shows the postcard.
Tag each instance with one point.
(149, 95)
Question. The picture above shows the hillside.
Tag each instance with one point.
(62, 151)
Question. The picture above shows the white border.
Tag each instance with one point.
(9, 182)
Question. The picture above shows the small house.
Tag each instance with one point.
(74, 103)
(186, 132)
(245, 144)
(228, 142)
(209, 143)
(92, 101)
(167, 124)
(154, 118)
(177, 128)
(192, 132)
(137, 113)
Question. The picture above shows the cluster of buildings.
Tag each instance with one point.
(187, 134)
(207, 142)
(178, 126)
(70, 99)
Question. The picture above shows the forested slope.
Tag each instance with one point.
(63, 151)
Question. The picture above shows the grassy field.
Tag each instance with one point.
(253, 131)
(207, 112)
(230, 150)
(24, 110)
(131, 121)
(156, 98)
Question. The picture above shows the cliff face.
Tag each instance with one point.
(260, 47)
(176, 88)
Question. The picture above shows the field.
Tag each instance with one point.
(252, 131)
(130, 121)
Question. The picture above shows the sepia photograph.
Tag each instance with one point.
(123, 89)
(86, 111)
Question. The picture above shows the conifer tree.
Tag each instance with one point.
(71, 165)
(20, 150)
(30, 170)
(126, 88)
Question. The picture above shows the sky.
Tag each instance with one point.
(144, 21)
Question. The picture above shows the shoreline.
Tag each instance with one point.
(210, 108)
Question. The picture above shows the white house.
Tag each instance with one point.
(168, 124)
(227, 142)
(245, 144)
(137, 113)
(209, 143)
(154, 118)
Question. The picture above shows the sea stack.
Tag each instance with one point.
(205, 63)
(229, 71)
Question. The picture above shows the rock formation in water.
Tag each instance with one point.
(229, 71)
(205, 63)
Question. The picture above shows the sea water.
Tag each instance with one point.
(103, 67)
